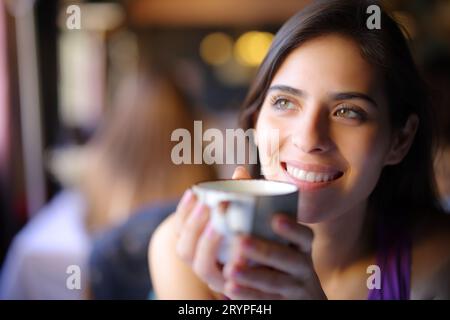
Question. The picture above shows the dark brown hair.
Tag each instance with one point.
(409, 185)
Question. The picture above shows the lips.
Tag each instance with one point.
(311, 173)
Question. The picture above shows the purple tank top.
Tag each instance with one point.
(394, 260)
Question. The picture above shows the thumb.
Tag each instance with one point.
(241, 173)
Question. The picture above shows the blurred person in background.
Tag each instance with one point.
(138, 148)
(126, 167)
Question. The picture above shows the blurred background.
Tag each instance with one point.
(90, 92)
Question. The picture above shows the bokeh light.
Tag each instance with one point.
(251, 47)
(216, 48)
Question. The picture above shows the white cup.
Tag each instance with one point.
(250, 206)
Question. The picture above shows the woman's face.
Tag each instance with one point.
(328, 107)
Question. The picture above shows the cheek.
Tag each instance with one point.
(269, 125)
(267, 137)
(364, 150)
(271, 134)
(264, 126)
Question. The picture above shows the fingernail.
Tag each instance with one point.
(210, 232)
(198, 211)
(187, 196)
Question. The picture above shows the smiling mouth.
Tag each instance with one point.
(311, 176)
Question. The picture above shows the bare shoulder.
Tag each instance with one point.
(171, 278)
(431, 258)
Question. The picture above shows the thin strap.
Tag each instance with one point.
(394, 260)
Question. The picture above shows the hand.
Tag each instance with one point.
(281, 271)
(198, 243)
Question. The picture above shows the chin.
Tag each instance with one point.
(311, 214)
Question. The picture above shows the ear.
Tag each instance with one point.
(402, 140)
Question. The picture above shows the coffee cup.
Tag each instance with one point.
(246, 207)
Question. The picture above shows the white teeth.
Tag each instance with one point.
(301, 175)
(308, 175)
(319, 177)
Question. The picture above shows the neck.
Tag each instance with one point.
(341, 241)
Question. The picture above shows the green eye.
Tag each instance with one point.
(283, 104)
(349, 113)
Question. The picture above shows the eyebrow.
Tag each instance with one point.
(294, 91)
(334, 96)
(354, 95)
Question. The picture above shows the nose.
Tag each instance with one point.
(313, 133)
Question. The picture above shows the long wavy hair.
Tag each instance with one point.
(403, 190)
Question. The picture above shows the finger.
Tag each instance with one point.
(291, 230)
(238, 292)
(237, 259)
(277, 256)
(184, 207)
(205, 263)
(191, 231)
(241, 173)
(265, 280)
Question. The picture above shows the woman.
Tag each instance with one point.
(356, 138)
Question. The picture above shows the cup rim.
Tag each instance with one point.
(199, 184)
